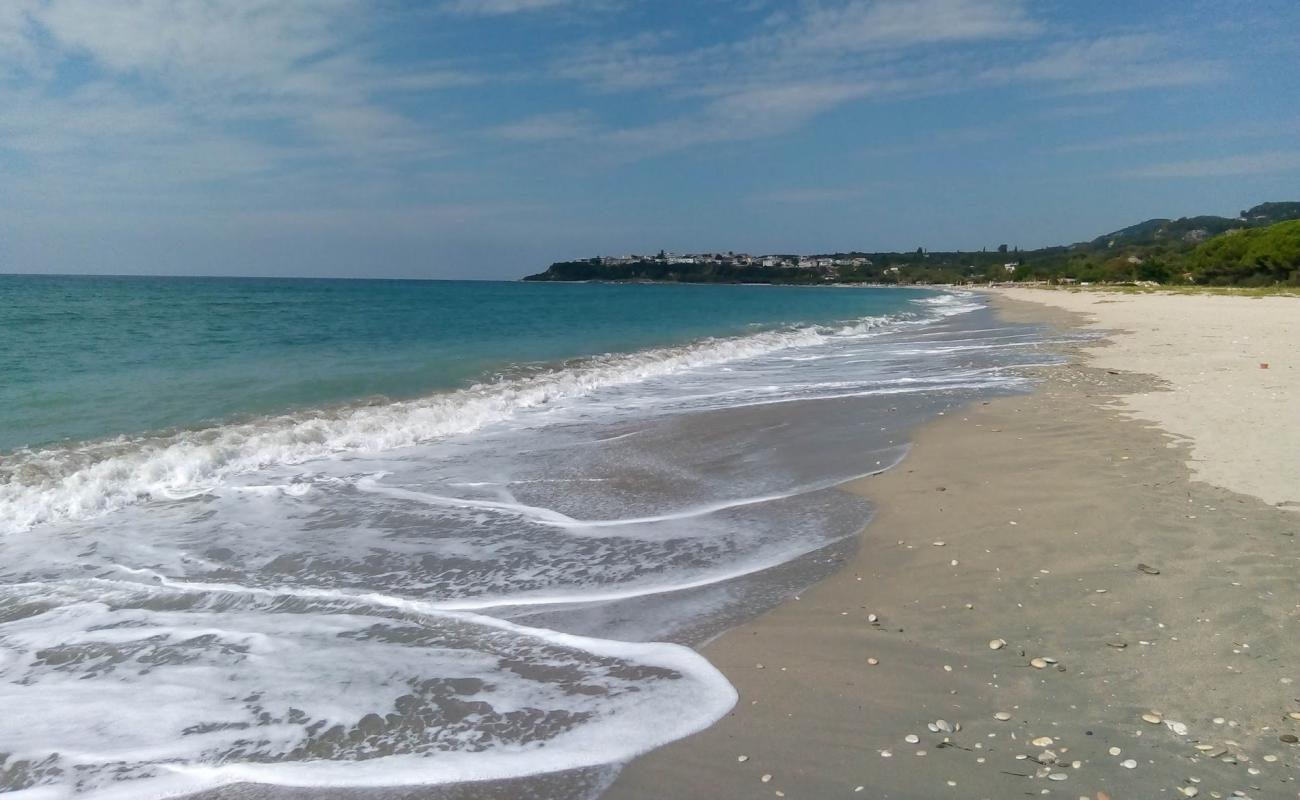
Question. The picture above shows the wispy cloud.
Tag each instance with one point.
(548, 127)
(1245, 164)
(186, 93)
(492, 8)
(803, 63)
(896, 24)
(1128, 142)
(1105, 64)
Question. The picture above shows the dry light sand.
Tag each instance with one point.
(1243, 421)
(1025, 520)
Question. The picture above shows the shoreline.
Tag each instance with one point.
(1023, 520)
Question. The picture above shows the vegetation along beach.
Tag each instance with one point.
(633, 400)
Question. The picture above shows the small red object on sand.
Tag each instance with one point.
(1263, 365)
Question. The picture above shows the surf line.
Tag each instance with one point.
(546, 516)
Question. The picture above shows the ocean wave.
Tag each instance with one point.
(85, 480)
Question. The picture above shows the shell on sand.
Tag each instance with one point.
(1154, 719)
(1042, 741)
(1038, 663)
(1002, 716)
(997, 644)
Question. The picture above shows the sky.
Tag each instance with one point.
(487, 138)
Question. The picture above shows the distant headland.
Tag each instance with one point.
(1260, 247)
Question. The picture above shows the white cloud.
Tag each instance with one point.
(806, 61)
(1108, 64)
(180, 92)
(500, 7)
(548, 127)
(894, 24)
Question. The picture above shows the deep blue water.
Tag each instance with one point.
(89, 357)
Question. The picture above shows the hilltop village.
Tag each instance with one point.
(1260, 247)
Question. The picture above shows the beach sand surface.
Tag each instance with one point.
(1069, 525)
(1231, 367)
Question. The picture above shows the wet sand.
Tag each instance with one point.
(1024, 519)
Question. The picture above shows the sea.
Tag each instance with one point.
(350, 535)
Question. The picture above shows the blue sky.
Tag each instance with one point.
(486, 138)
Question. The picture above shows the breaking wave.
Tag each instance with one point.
(88, 479)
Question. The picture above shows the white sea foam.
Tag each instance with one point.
(133, 693)
(87, 480)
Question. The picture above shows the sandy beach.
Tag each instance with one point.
(1090, 591)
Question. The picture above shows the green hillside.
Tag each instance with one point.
(1259, 248)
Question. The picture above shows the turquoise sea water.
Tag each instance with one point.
(355, 534)
(90, 357)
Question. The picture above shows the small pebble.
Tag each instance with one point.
(1154, 719)
(1114, 751)
(742, 759)
(997, 644)
(1057, 776)
(1128, 764)
(767, 778)
(911, 738)
(1042, 741)
(1038, 663)
(1002, 716)
(873, 661)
